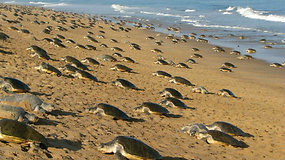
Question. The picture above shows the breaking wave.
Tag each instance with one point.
(123, 9)
(45, 4)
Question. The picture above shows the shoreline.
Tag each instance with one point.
(74, 134)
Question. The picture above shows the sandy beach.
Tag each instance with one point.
(74, 134)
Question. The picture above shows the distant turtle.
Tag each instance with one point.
(68, 68)
(4, 36)
(70, 41)
(16, 113)
(180, 80)
(84, 75)
(174, 102)
(267, 47)
(103, 109)
(37, 51)
(192, 61)
(91, 61)
(90, 47)
(45, 67)
(225, 69)
(151, 108)
(121, 68)
(156, 50)
(214, 136)
(228, 65)
(128, 59)
(277, 65)
(262, 41)
(226, 93)
(17, 132)
(245, 57)
(125, 147)
(195, 55)
(106, 57)
(228, 128)
(250, 50)
(12, 85)
(235, 52)
(195, 49)
(80, 46)
(116, 54)
(31, 102)
(170, 92)
(162, 62)
(200, 89)
(161, 74)
(124, 84)
(149, 38)
(182, 65)
(104, 45)
(75, 62)
(24, 31)
(117, 49)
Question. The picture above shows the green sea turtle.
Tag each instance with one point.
(121, 68)
(91, 61)
(68, 68)
(235, 52)
(103, 109)
(200, 89)
(155, 50)
(151, 108)
(12, 85)
(225, 69)
(84, 75)
(125, 147)
(277, 65)
(174, 102)
(150, 38)
(45, 67)
(161, 62)
(37, 51)
(106, 57)
(180, 80)
(214, 136)
(103, 45)
(228, 65)
(226, 93)
(74, 62)
(161, 74)
(70, 41)
(245, 57)
(250, 50)
(195, 55)
(16, 113)
(17, 132)
(128, 59)
(80, 46)
(117, 49)
(29, 102)
(192, 61)
(90, 47)
(228, 128)
(170, 92)
(182, 65)
(116, 54)
(124, 84)
(219, 49)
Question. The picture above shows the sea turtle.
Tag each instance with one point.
(106, 57)
(16, 113)
(70, 41)
(4, 36)
(195, 55)
(155, 50)
(125, 147)
(267, 47)
(117, 49)
(103, 109)
(84, 75)
(29, 102)
(113, 41)
(149, 38)
(262, 41)
(121, 68)
(104, 45)
(228, 128)
(235, 52)
(170, 92)
(225, 69)
(80, 46)
(17, 132)
(90, 60)
(226, 93)
(74, 62)
(192, 61)
(68, 68)
(180, 80)
(193, 129)
(277, 65)
(90, 47)
(37, 51)
(182, 65)
(128, 59)
(162, 62)
(124, 84)
(151, 108)
(250, 50)
(161, 74)
(228, 65)
(214, 136)
(116, 54)
(200, 89)
(158, 43)
(245, 57)
(12, 85)
(195, 49)
(45, 67)
(173, 102)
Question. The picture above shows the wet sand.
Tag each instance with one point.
(74, 134)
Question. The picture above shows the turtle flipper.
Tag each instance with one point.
(119, 156)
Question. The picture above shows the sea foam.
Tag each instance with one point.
(123, 9)
(45, 4)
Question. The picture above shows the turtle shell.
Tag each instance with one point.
(17, 85)
(230, 129)
(181, 80)
(113, 111)
(155, 108)
(173, 93)
(136, 148)
(125, 83)
(176, 102)
(18, 132)
(11, 112)
(222, 137)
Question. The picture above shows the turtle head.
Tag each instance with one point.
(32, 118)
(91, 110)
(108, 147)
(194, 129)
(138, 109)
(47, 107)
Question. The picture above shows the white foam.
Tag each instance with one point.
(9, 2)
(230, 8)
(45, 4)
(123, 9)
(227, 13)
(262, 15)
(164, 14)
(190, 10)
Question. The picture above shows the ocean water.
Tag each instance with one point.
(254, 19)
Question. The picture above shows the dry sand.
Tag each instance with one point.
(74, 134)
